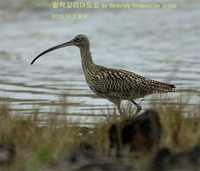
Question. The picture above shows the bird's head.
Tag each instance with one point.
(80, 41)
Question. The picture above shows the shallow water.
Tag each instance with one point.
(161, 44)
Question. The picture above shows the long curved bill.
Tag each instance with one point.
(70, 43)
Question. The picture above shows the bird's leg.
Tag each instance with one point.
(138, 107)
(141, 101)
(119, 109)
(118, 104)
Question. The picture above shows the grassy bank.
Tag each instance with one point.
(38, 147)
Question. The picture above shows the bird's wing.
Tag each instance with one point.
(125, 83)
(113, 83)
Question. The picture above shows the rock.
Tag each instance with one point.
(86, 158)
(83, 152)
(141, 133)
(164, 160)
(7, 152)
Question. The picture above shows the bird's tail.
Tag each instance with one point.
(160, 87)
(164, 87)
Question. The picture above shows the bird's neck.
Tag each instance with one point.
(86, 57)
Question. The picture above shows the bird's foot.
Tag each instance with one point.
(138, 107)
(137, 110)
(141, 102)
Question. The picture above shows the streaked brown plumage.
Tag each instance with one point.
(113, 84)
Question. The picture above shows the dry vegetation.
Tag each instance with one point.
(39, 147)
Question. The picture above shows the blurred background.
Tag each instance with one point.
(161, 44)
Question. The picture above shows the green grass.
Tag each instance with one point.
(42, 146)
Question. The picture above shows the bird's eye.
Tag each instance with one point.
(78, 39)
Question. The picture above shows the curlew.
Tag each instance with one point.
(112, 84)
